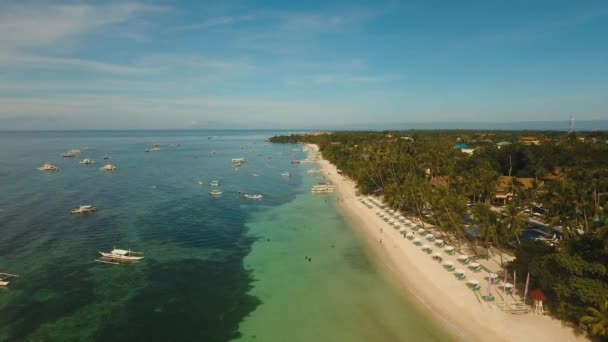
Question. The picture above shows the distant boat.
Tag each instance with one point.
(71, 153)
(106, 157)
(48, 167)
(86, 162)
(238, 161)
(84, 209)
(253, 197)
(200, 183)
(154, 149)
(215, 193)
(295, 162)
(116, 256)
(286, 174)
(109, 167)
(214, 183)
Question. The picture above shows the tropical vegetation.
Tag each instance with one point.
(539, 196)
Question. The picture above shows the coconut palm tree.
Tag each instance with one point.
(597, 320)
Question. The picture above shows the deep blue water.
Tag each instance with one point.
(191, 286)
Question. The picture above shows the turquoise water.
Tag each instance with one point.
(215, 269)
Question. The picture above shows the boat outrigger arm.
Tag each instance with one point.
(4, 277)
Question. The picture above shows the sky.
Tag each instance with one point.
(299, 64)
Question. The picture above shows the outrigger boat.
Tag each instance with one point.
(48, 167)
(253, 197)
(215, 193)
(286, 174)
(4, 277)
(238, 161)
(87, 162)
(109, 167)
(117, 256)
(71, 154)
(84, 209)
(215, 183)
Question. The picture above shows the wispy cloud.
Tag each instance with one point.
(215, 22)
(26, 26)
(31, 61)
(28, 30)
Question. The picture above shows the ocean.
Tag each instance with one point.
(284, 268)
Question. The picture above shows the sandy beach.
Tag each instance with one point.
(454, 305)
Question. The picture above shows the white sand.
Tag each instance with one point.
(450, 301)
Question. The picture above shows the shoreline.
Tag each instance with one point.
(446, 300)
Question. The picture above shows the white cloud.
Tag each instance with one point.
(39, 25)
(31, 61)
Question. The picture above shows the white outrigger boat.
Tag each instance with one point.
(215, 183)
(238, 161)
(84, 209)
(71, 154)
(87, 162)
(286, 174)
(215, 193)
(109, 167)
(48, 167)
(117, 256)
(253, 197)
(153, 149)
(4, 277)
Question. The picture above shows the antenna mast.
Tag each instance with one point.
(571, 124)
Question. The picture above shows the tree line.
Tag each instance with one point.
(560, 179)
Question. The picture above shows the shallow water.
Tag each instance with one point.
(215, 269)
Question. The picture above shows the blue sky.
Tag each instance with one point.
(284, 64)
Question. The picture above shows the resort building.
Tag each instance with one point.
(529, 141)
(504, 185)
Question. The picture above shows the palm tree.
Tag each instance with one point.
(597, 320)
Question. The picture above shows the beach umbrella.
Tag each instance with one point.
(408, 221)
(449, 248)
(449, 263)
(416, 240)
(439, 241)
(409, 234)
(402, 218)
(429, 236)
(421, 230)
(459, 271)
(426, 247)
(473, 282)
(508, 285)
(436, 255)
(474, 265)
(401, 228)
(462, 257)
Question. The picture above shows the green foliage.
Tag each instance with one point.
(420, 172)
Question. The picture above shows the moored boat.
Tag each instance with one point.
(86, 161)
(84, 209)
(117, 256)
(4, 278)
(253, 197)
(215, 193)
(71, 154)
(109, 167)
(48, 167)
